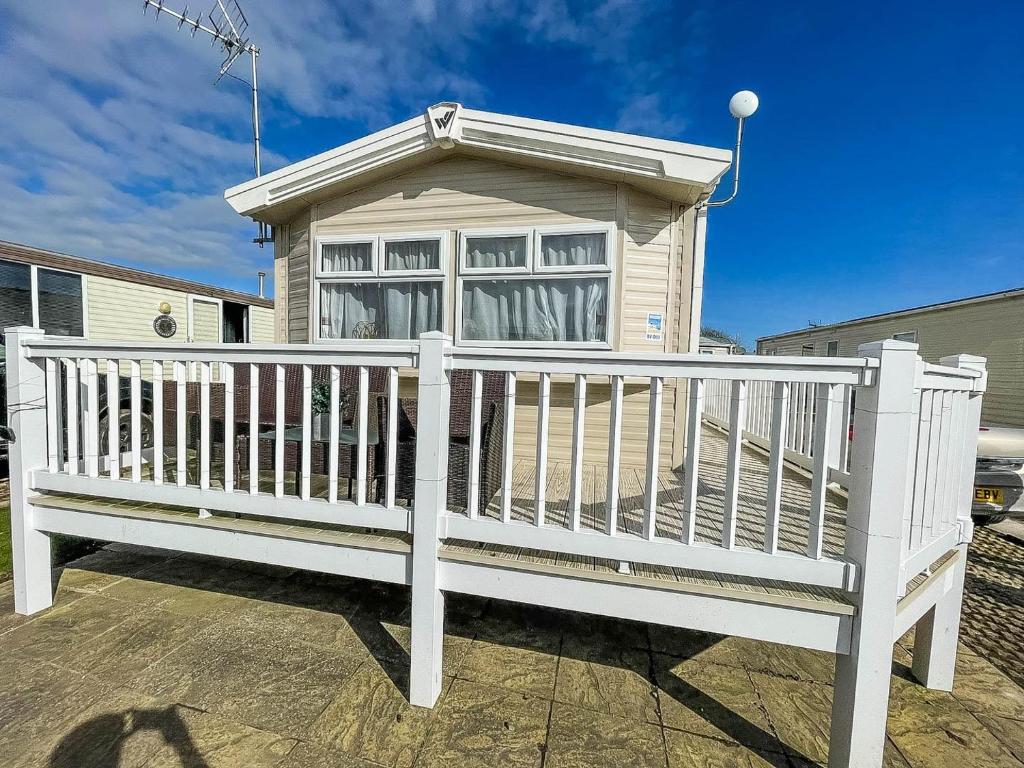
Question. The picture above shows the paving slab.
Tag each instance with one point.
(479, 725)
(581, 738)
(170, 660)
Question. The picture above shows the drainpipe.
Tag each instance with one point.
(260, 276)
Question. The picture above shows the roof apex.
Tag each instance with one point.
(676, 167)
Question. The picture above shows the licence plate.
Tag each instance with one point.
(988, 495)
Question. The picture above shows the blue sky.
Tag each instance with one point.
(884, 169)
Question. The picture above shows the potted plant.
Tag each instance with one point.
(321, 405)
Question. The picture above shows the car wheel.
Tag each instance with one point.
(124, 431)
(982, 520)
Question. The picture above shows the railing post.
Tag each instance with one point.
(874, 521)
(26, 409)
(430, 503)
(938, 631)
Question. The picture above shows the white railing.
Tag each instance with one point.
(943, 448)
(792, 405)
(804, 401)
(667, 542)
(121, 449)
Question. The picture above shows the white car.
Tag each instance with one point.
(999, 475)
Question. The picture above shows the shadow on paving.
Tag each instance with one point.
(99, 742)
(524, 685)
(588, 640)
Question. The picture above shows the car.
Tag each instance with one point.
(999, 475)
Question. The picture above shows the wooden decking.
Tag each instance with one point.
(711, 489)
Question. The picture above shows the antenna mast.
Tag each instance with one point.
(226, 25)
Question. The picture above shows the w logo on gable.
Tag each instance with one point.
(443, 120)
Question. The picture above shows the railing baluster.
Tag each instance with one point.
(136, 416)
(90, 417)
(692, 466)
(780, 420)
(476, 406)
(920, 478)
(52, 445)
(204, 425)
(819, 472)
(113, 419)
(307, 417)
(228, 374)
(810, 393)
(935, 450)
(611, 522)
(945, 460)
(737, 410)
(180, 406)
(278, 430)
(796, 407)
(158, 422)
(364, 398)
(579, 419)
(254, 429)
(334, 432)
(653, 448)
(507, 449)
(543, 411)
(959, 441)
(844, 439)
(71, 399)
(391, 472)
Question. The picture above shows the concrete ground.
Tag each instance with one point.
(155, 659)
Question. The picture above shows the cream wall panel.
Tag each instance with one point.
(261, 323)
(635, 404)
(646, 268)
(993, 329)
(121, 311)
(297, 284)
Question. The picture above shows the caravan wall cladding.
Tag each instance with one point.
(649, 267)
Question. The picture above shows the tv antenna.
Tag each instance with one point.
(227, 26)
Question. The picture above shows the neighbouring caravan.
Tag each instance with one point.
(71, 296)
(991, 325)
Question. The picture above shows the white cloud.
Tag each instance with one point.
(116, 146)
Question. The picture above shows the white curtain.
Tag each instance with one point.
(347, 257)
(572, 250)
(412, 254)
(558, 309)
(485, 252)
(379, 310)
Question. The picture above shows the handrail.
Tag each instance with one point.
(856, 371)
(358, 353)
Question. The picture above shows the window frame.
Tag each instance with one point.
(35, 298)
(534, 271)
(376, 274)
(33, 278)
(808, 350)
(466, 234)
(608, 230)
(896, 336)
(829, 342)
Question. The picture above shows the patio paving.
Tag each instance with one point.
(158, 659)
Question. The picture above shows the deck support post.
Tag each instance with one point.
(882, 430)
(936, 633)
(431, 500)
(26, 399)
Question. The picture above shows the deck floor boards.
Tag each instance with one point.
(752, 502)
